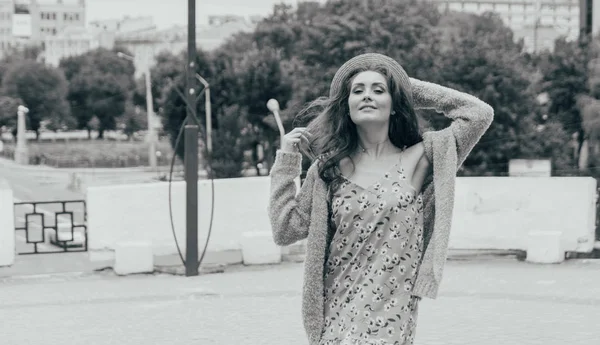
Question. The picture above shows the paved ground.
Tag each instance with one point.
(484, 302)
(40, 183)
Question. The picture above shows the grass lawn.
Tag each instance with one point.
(92, 153)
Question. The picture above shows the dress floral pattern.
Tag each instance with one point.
(372, 264)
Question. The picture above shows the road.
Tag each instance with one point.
(36, 183)
(33, 183)
(489, 302)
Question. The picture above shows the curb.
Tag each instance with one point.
(45, 276)
(231, 261)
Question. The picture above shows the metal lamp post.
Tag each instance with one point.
(152, 135)
(273, 107)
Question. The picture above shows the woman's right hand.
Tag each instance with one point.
(292, 140)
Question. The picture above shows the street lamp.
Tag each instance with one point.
(152, 135)
(273, 107)
(207, 107)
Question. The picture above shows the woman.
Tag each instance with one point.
(376, 204)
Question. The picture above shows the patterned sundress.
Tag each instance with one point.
(372, 264)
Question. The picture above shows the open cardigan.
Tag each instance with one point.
(296, 215)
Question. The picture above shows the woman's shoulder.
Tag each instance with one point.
(416, 153)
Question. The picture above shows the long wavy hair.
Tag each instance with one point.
(334, 135)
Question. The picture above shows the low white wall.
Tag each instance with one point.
(489, 213)
(141, 212)
(7, 225)
(499, 212)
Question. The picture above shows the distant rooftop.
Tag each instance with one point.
(55, 2)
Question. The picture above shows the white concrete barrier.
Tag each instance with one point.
(500, 212)
(7, 225)
(140, 212)
(133, 257)
(489, 213)
(545, 247)
(258, 248)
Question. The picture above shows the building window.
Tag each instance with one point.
(77, 16)
(54, 16)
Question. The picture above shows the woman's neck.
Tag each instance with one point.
(374, 146)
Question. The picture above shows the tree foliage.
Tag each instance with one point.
(8, 112)
(483, 59)
(565, 78)
(42, 89)
(293, 54)
(99, 84)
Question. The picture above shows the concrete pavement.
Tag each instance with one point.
(42, 183)
(485, 302)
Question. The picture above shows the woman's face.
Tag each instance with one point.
(370, 101)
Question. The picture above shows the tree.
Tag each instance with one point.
(135, 119)
(565, 78)
(8, 112)
(105, 99)
(168, 66)
(174, 110)
(311, 43)
(42, 89)
(99, 87)
(480, 57)
(293, 54)
(227, 158)
(15, 55)
(262, 77)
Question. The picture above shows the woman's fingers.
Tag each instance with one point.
(306, 138)
(294, 137)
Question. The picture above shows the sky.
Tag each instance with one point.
(167, 13)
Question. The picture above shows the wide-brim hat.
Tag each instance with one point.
(369, 61)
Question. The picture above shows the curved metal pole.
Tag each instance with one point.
(208, 113)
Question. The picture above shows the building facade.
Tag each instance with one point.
(538, 22)
(49, 17)
(146, 45)
(76, 40)
(7, 10)
(124, 25)
(30, 22)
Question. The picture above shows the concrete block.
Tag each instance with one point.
(258, 248)
(133, 257)
(7, 225)
(545, 247)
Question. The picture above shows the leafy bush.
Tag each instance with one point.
(92, 153)
(227, 158)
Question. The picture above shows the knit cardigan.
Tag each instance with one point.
(296, 215)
